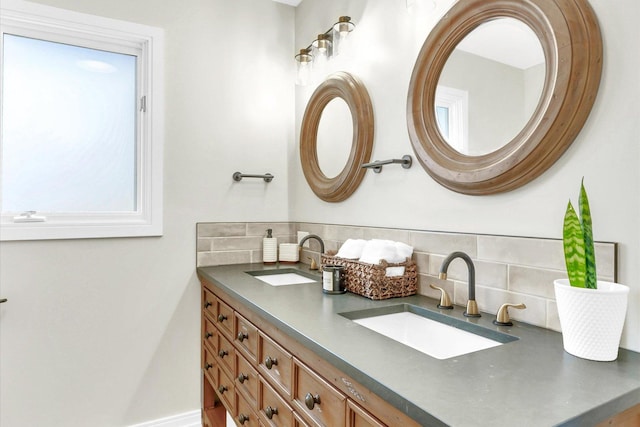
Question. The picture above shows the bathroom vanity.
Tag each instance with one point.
(292, 356)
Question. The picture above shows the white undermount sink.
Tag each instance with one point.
(429, 332)
(282, 277)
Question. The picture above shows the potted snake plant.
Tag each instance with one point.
(591, 311)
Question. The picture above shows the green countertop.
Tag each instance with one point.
(528, 382)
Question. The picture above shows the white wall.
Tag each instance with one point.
(106, 332)
(386, 41)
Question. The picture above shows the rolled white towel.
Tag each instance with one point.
(351, 249)
(404, 251)
(375, 250)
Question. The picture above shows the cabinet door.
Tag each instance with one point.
(276, 364)
(274, 411)
(318, 400)
(358, 417)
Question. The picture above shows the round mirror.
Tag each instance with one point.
(335, 133)
(339, 86)
(481, 111)
(570, 40)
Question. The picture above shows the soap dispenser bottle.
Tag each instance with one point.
(269, 248)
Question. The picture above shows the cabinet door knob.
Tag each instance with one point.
(223, 353)
(311, 400)
(222, 389)
(242, 336)
(242, 378)
(242, 418)
(208, 366)
(222, 318)
(207, 304)
(270, 412)
(208, 335)
(269, 362)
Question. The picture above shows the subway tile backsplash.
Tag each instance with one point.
(508, 269)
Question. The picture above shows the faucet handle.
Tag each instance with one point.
(502, 318)
(445, 301)
(314, 264)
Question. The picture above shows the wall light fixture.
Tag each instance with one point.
(325, 46)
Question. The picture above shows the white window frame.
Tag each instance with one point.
(60, 25)
(457, 102)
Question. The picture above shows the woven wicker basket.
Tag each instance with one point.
(371, 281)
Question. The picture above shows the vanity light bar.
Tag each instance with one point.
(324, 43)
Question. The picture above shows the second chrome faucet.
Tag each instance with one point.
(472, 306)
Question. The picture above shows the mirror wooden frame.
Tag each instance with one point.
(572, 45)
(353, 92)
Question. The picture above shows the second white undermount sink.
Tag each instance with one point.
(282, 277)
(429, 332)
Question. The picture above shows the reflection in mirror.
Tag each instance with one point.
(490, 86)
(335, 135)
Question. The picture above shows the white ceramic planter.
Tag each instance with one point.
(592, 319)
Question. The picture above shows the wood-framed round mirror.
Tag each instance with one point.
(570, 39)
(353, 92)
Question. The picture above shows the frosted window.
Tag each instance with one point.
(69, 128)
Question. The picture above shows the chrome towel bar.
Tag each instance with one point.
(405, 161)
(238, 176)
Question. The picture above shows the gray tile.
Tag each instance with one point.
(343, 232)
(394, 234)
(533, 252)
(236, 243)
(221, 229)
(204, 244)
(443, 243)
(279, 228)
(533, 281)
(553, 320)
(606, 261)
(207, 259)
(422, 262)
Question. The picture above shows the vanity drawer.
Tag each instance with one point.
(226, 356)
(224, 319)
(317, 399)
(247, 381)
(210, 367)
(226, 391)
(358, 417)
(209, 334)
(274, 411)
(245, 413)
(246, 338)
(298, 421)
(209, 303)
(276, 364)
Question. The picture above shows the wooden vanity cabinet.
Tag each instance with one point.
(264, 377)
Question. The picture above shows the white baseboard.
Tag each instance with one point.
(187, 419)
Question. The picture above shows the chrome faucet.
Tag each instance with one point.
(314, 265)
(472, 307)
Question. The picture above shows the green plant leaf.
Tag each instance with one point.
(587, 231)
(573, 242)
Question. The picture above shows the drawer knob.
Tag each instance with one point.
(269, 362)
(242, 336)
(311, 400)
(223, 353)
(207, 304)
(242, 418)
(222, 318)
(270, 412)
(208, 366)
(222, 389)
(242, 378)
(208, 335)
